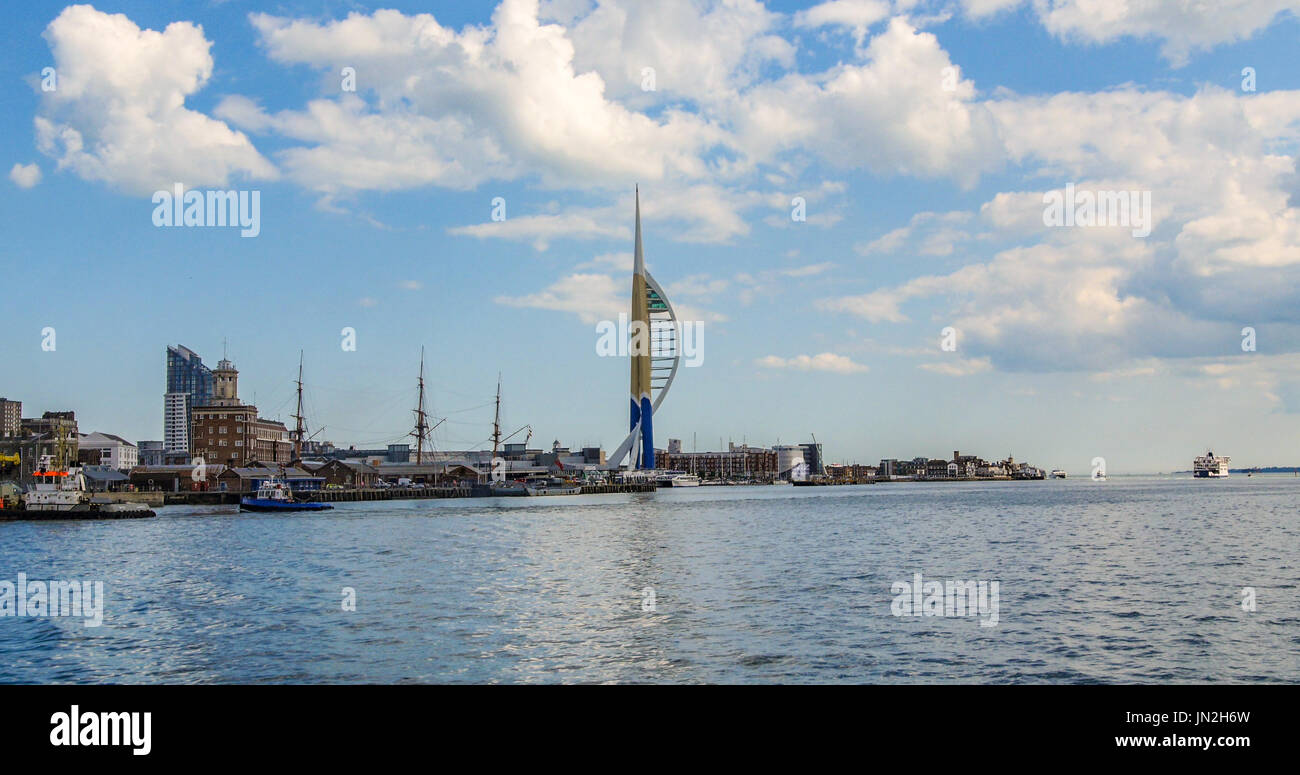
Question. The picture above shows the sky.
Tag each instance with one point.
(851, 198)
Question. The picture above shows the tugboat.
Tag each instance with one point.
(56, 494)
(274, 495)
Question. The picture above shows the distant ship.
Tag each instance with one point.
(1210, 466)
(1058, 473)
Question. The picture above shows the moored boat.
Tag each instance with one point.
(274, 495)
(677, 479)
(553, 486)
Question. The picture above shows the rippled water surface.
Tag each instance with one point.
(1130, 580)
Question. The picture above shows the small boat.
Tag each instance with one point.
(511, 489)
(1058, 473)
(677, 479)
(553, 486)
(274, 495)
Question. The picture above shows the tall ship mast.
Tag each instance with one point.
(300, 426)
(422, 429)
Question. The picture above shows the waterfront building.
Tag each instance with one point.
(149, 453)
(352, 474)
(812, 455)
(189, 384)
(11, 418)
(936, 469)
(740, 461)
(789, 458)
(107, 450)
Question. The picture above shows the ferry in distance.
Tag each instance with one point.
(1058, 473)
(1210, 466)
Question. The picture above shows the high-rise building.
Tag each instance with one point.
(812, 455)
(189, 384)
(11, 418)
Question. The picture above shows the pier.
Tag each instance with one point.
(216, 498)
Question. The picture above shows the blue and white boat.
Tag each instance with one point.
(274, 495)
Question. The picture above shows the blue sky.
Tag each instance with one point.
(924, 191)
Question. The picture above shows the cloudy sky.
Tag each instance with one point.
(825, 187)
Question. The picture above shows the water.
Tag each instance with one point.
(1130, 580)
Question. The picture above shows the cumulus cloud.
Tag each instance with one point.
(118, 113)
(831, 362)
(1184, 27)
(890, 114)
(25, 175)
(857, 15)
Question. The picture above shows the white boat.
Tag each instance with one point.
(677, 479)
(66, 492)
(53, 490)
(1058, 473)
(1210, 466)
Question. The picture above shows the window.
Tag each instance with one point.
(223, 442)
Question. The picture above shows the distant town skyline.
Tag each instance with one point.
(890, 220)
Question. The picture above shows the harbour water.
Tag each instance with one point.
(1130, 580)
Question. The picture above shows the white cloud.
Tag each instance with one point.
(959, 367)
(501, 100)
(118, 113)
(1185, 27)
(831, 362)
(890, 114)
(592, 297)
(857, 15)
(703, 52)
(25, 175)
